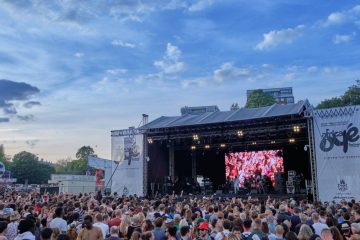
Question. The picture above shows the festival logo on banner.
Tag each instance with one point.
(343, 188)
(132, 152)
(345, 138)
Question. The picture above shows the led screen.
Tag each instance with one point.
(247, 166)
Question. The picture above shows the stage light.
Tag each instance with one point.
(193, 147)
(291, 140)
(150, 140)
(273, 142)
(195, 137)
(253, 143)
(240, 133)
(223, 145)
(207, 146)
(296, 128)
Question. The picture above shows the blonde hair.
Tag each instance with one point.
(232, 236)
(305, 232)
(55, 233)
(125, 223)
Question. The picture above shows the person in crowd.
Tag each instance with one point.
(26, 228)
(236, 230)
(184, 232)
(55, 233)
(247, 230)
(3, 227)
(99, 218)
(226, 230)
(283, 215)
(171, 233)
(271, 223)
(63, 237)
(256, 230)
(125, 223)
(12, 228)
(295, 219)
(345, 226)
(46, 234)
(58, 221)
(116, 220)
(203, 231)
(318, 226)
(148, 236)
(303, 219)
(336, 233)
(89, 232)
(279, 232)
(291, 236)
(159, 231)
(114, 233)
(305, 232)
(75, 222)
(326, 234)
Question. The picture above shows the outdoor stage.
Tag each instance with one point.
(183, 151)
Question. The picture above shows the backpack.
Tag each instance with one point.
(246, 236)
(262, 236)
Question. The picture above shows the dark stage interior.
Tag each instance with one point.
(211, 162)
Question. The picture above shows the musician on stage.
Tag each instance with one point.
(236, 185)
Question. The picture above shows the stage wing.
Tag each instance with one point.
(337, 148)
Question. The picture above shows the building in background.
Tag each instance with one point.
(281, 95)
(73, 183)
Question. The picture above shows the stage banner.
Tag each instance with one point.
(337, 149)
(127, 148)
(104, 164)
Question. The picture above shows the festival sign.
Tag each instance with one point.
(127, 149)
(337, 148)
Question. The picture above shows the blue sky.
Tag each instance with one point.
(74, 70)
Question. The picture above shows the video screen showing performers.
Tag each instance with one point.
(249, 167)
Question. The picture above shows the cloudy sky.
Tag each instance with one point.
(71, 70)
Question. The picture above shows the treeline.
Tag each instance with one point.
(27, 166)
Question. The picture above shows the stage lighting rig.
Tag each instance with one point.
(296, 128)
(292, 140)
(240, 133)
(195, 137)
(207, 146)
(193, 148)
(223, 145)
(150, 140)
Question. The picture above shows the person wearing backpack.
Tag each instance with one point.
(247, 230)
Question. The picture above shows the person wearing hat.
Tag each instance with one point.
(12, 227)
(203, 231)
(355, 229)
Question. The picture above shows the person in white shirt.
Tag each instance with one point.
(99, 223)
(58, 221)
(225, 232)
(318, 226)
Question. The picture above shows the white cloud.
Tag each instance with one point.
(228, 71)
(335, 18)
(120, 43)
(171, 63)
(312, 69)
(277, 37)
(197, 82)
(343, 38)
(200, 5)
(116, 71)
(79, 55)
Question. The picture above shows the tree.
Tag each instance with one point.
(26, 166)
(350, 97)
(84, 152)
(259, 98)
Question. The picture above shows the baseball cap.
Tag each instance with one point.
(203, 225)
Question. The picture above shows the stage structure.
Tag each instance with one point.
(182, 148)
(337, 147)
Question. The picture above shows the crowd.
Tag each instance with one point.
(30, 216)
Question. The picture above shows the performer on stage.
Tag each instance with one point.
(236, 185)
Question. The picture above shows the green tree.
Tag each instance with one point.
(84, 152)
(350, 97)
(27, 166)
(259, 98)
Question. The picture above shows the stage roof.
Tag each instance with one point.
(242, 114)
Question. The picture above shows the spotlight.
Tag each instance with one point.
(291, 140)
(193, 147)
(150, 140)
(253, 143)
(195, 137)
(223, 145)
(306, 148)
(273, 142)
(296, 128)
(240, 133)
(207, 146)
